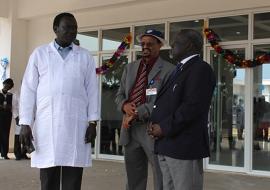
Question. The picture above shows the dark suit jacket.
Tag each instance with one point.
(156, 79)
(181, 109)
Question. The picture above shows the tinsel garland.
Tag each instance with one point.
(230, 57)
(120, 50)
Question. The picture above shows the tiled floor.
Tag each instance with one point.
(107, 175)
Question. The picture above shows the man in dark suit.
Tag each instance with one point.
(140, 83)
(180, 115)
(6, 105)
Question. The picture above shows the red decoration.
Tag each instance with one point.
(120, 50)
(230, 57)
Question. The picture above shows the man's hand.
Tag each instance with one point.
(130, 108)
(154, 131)
(127, 119)
(26, 138)
(91, 133)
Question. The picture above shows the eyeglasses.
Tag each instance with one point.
(148, 44)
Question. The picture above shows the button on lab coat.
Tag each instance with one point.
(58, 98)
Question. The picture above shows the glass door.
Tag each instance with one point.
(261, 112)
(227, 113)
(111, 118)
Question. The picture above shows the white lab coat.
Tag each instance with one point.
(58, 98)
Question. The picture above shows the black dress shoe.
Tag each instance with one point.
(6, 158)
(18, 158)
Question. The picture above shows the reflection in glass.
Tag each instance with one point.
(227, 113)
(230, 28)
(175, 27)
(112, 38)
(111, 117)
(88, 40)
(261, 112)
(141, 30)
(262, 25)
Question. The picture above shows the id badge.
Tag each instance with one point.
(151, 91)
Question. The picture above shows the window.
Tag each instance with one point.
(230, 28)
(89, 40)
(175, 27)
(112, 38)
(261, 25)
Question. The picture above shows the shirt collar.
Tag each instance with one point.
(188, 58)
(58, 47)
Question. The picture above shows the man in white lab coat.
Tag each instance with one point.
(59, 106)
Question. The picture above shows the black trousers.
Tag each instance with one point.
(5, 122)
(70, 178)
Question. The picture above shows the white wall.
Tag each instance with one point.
(167, 8)
(5, 38)
(96, 14)
(30, 8)
(4, 7)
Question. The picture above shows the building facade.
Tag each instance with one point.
(239, 118)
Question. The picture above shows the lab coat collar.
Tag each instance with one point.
(52, 48)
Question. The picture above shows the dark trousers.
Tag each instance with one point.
(5, 122)
(70, 178)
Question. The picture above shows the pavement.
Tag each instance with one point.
(110, 175)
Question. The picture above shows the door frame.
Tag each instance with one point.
(248, 107)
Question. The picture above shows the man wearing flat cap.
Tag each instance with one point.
(140, 83)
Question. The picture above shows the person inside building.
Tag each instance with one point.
(19, 148)
(7, 100)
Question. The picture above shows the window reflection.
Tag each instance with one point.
(227, 113)
(230, 28)
(88, 40)
(112, 38)
(261, 112)
(175, 27)
(111, 117)
(262, 25)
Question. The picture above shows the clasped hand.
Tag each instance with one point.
(130, 114)
(154, 131)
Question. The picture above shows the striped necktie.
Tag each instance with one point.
(137, 95)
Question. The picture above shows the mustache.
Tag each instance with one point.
(145, 49)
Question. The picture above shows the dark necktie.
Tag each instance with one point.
(137, 94)
(175, 71)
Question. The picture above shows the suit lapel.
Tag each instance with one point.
(133, 73)
(155, 70)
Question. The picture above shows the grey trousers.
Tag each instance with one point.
(181, 174)
(138, 152)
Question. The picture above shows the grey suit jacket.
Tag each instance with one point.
(156, 79)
